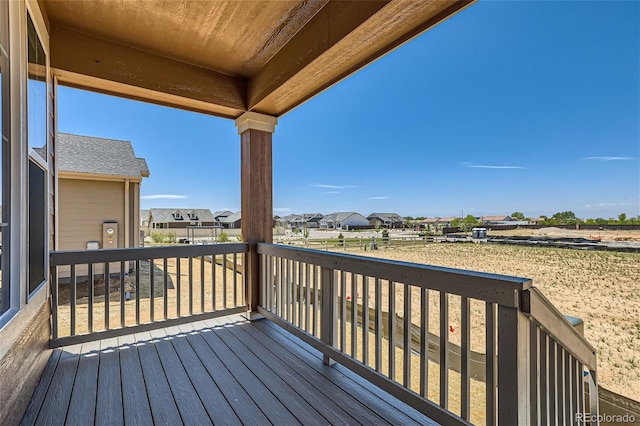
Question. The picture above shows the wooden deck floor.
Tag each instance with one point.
(224, 371)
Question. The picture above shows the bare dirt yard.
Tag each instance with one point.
(602, 288)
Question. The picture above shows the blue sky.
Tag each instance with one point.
(509, 105)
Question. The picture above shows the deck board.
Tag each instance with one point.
(224, 371)
(259, 358)
(109, 399)
(162, 404)
(134, 394)
(56, 402)
(82, 407)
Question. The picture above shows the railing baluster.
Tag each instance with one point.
(552, 381)
(378, 326)
(580, 384)
(444, 350)
(307, 297)
(424, 342)
(202, 281)
(593, 394)
(561, 395)
(214, 286)
(328, 333)
(299, 292)
(73, 300)
(575, 386)
(263, 281)
(343, 311)
(287, 290)
(165, 289)
(392, 330)
(190, 285)
(107, 293)
(365, 320)
(235, 280)
(178, 291)
(354, 316)
(465, 358)
(122, 283)
(490, 364)
(137, 289)
(568, 397)
(534, 371)
(406, 332)
(151, 290)
(280, 289)
(544, 379)
(315, 301)
(90, 284)
(224, 281)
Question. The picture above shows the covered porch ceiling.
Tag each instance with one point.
(227, 57)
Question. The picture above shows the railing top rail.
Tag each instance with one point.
(543, 313)
(501, 289)
(70, 257)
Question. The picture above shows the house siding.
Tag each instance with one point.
(84, 206)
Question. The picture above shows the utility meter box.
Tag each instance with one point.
(109, 235)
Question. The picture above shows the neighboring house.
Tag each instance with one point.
(232, 221)
(180, 218)
(496, 220)
(445, 222)
(309, 220)
(535, 220)
(98, 182)
(386, 220)
(220, 215)
(429, 223)
(343, 220)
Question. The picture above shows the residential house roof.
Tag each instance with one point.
(98, 156)
(169, 215)
(535, 219)
(430, 220)
(447, 219)
(495, 218)
(232, 218)
(386, 217)
(144, 215)
(221, 214)
(337, 216)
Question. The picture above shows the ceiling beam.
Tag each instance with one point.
(327, 28)
(342, 38)
(87, 62)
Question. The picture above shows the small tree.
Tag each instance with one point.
(385, 236)
(469, 223)
(518, 215)
(622, 218)
(223, 237)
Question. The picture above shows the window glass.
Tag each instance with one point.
(4, 158)
(36, 92)
(37, 136)
(37, 210)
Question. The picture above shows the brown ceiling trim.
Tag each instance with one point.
(328, 27)
(108, 87)
(77, 54)
(298, 89)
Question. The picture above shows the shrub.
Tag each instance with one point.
(223, 237)
(340, 239)
(157, 237)
(170, 237)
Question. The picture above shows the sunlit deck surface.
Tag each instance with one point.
(223, 371)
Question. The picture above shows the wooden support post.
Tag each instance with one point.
(256, 182)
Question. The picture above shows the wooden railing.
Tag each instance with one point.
(385, 319)
(105, 293)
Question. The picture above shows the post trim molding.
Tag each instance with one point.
(255, 121)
